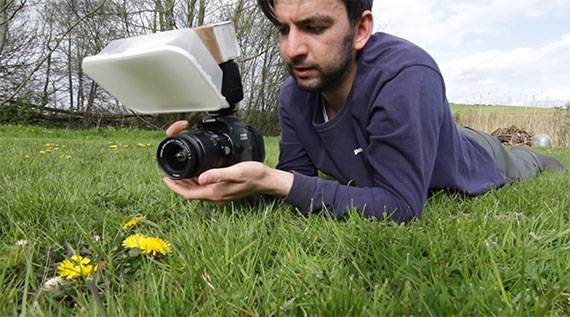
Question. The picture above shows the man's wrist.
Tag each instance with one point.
(280, 183)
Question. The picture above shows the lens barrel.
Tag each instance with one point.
(189, 154)
(177, 156)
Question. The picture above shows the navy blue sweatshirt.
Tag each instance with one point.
(393, 140)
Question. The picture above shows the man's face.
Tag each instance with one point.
(316, 41)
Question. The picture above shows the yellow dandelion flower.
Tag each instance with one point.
(27, 156)
(133, 222)
(77, 266)
(153, 245)
(141, 145)
(125, 145)
(67, 157)
(42, 152)
(57, 149)
(113, 146)
(134, 241)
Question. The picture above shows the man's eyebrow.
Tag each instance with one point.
(318, 18)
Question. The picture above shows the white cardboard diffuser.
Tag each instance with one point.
(164, 72)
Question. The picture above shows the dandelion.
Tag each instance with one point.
(125, 145)
(78, 266)
(133, 222)
(113, 146)
(42, 152)
(133, 241)
(67, 157)
(153, 245)
(148, 245)
(141, 144)
(27, 156)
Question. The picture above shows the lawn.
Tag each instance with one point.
(68, 193)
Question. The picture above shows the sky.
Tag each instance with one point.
(499, 52)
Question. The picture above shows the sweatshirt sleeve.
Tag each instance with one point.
(403, 133)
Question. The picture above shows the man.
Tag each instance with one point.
(369, 110)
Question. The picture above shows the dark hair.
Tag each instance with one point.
(354, 9)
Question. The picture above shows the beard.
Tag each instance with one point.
(329, 78)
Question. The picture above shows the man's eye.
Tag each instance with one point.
(283, 31)
(316, 29)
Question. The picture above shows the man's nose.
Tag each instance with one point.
(295, 44)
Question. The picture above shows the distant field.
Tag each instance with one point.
(500, 109)
(551, 121)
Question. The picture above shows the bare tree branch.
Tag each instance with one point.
(51, 50)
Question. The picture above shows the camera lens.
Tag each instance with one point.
(177, 156)
(189, 154)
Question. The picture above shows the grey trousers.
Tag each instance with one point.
(514, 164)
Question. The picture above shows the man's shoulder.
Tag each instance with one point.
(289, 83)
(392, 54)
(290, 90)
(291, 95)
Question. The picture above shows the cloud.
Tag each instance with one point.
(432, 22)
(490, 51)
(520, 76)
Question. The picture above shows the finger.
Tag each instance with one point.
(176, 127)
(191, 190)
(185, 188)
(217, 175)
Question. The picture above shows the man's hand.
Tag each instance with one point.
(223, 185)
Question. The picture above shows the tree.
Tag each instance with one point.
(17, 46)
(42, 45)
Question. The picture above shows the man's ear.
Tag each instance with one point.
(363, 30)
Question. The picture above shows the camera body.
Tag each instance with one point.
(217, 141)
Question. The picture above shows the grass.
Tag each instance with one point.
(502, 253)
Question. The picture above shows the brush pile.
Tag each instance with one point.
(513, 136)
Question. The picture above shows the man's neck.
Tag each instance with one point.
(334, 99)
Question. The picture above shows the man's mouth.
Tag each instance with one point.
(302, 71)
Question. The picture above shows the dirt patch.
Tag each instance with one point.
(513, 136)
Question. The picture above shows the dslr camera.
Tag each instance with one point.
(184, 70)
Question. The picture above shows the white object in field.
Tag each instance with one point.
(542, 140)
(171, 71)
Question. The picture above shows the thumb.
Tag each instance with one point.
(210, 177)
